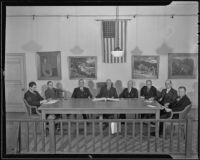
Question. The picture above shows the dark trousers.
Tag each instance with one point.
(85, 116)
(163, 115)
(122, 116)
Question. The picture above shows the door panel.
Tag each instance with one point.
(15, 82)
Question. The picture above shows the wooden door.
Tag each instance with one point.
(15, 81)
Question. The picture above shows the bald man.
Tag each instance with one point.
(130, 91)
(168, 95)
(108, 91)
(148, 91)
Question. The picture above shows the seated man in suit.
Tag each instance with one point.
(32, 97)
(82, 92)
(178, 105)
(108, 91)
(168, 95)
(148, 92)
(51, 92)
(130, 91)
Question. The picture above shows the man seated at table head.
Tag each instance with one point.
(168, 95)
(130, 91)
(32, 97)
(51, 92)
(81, 91)
(148, 92)
(178, 105)
(108, 91)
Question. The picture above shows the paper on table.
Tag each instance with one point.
(105, 99)
(99, 99)
(150, 105)
(51, 102)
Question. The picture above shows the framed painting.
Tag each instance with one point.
(182, 65)
(49, 65)
(83, 67)
(145, 67)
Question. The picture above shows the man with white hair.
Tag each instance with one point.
(168, 95)
(130, 91)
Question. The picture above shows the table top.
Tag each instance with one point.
(85, 104)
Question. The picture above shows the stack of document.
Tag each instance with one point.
(105, 99)
(150, 106)
(51, 101)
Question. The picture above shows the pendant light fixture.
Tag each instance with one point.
(117, 52)
(136, 50)
(76, 49)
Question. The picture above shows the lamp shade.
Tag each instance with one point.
(117, 52)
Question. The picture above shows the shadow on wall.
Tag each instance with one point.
(43, 88)
(92, 89)
(142, 84)
(67, 94)
(119, 87)
(193, 95)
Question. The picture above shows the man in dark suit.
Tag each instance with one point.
(148, 92)
(50, 92)
(32, 97)
(178, 105)
(168, 95)
(130, 91)
(108, 91)
(82, 92)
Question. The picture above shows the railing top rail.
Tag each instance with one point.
(98, 120)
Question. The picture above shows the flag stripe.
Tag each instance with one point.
(125, 32)
(108, 49)
(111, 50)
(122, 39)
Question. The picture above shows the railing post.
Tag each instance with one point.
(52, 137)
(188, 143)
(18, 150)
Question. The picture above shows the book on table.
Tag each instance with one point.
(105, 99)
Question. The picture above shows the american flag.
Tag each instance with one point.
(109, 35)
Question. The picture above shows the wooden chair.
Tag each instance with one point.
(29, 111)
(181, 115)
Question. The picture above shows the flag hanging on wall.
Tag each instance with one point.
(109, 32)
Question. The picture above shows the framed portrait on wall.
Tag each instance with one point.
(82, 67)
(145, 67)
(49, 65)
(182, 65)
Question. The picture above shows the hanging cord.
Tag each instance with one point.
(117, 21)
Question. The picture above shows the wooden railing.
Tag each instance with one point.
(92, 137)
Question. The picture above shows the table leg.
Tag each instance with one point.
(44, 118)
(100, 123)
(157, 124)
(157, 114)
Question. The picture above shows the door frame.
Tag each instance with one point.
(23, 55)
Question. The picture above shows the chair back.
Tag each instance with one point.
(29, 111)
(184, 113)
(28, 107)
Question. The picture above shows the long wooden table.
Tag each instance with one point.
(87, 106)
